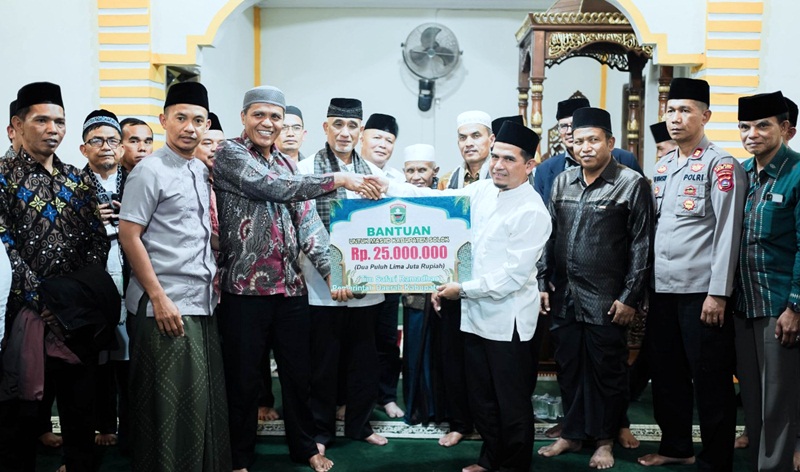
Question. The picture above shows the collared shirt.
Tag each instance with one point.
(49, 223)
(509, 231)
(319, 294)
(260, 240)
(10, 153)
(460, 177)
(601, 245)
(394, 174)
(769, 259)
(699, 208)
(169, 196)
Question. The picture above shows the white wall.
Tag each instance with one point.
(780, 69)
(316, 54)
(683, 21)
(227, 69)
(49, 51)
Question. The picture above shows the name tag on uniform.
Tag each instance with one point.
(774, 197)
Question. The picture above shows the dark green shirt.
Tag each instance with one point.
(769, 267)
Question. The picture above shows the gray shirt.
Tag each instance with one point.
(699, 210)
(170, 196)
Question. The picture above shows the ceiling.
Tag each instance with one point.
(528, 5)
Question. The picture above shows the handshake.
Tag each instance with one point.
(367, 186)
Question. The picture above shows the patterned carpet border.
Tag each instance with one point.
(398, 429)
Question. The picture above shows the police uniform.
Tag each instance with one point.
(699, 205)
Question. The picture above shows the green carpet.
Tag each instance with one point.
(423, 455)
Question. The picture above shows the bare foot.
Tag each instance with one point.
(603, 457)
(474, 468)
(320, 463)
(321, 449)
(51, 440)
(559, 447)
(376, 439)
(393, 411)
(658, 459)
(450, 439)
(796, 461)
(741, 441)
(340, 412)
(626, 439)
(554, 432)
(105, 439)
(267, 413)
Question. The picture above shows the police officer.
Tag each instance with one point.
(699, 191)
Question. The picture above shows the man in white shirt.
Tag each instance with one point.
(377, 146)
(510, 226)
(475, 139)
(341, 330)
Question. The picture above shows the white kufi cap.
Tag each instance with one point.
(474, 116)
(419, 152)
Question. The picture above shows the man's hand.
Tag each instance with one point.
(449, 290)
(622, 313)
(107, 211)
(340, 294)
(363, 185)
(713, 313)
(168, 317)
(787, 329)
(381, 183)
(544, 303)
(437, 307)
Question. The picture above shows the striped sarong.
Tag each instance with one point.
(179, 411)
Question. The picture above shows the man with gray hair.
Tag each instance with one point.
(341, 330)
(265, 223)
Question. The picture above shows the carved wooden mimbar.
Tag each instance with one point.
(582, 28)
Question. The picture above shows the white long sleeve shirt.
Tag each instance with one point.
(509, 231)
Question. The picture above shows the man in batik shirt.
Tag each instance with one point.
(50, 225)
(263, 292)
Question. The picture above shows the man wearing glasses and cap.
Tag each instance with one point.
(292, 134)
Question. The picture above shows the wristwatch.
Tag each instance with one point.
(794, 307)
(461, 292)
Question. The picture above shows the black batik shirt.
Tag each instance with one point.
(600, 248)
(49, 224)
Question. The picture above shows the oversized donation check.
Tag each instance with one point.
(400, 244)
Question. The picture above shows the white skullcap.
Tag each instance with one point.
(474, 116)
(419, 152)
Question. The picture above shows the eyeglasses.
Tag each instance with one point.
(565, 126)
(296, 129)
(97, 143)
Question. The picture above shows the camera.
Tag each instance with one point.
(109, 197)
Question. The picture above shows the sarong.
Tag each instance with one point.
(179, 411)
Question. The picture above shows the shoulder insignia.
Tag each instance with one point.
(724, 174)
(697, 152)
